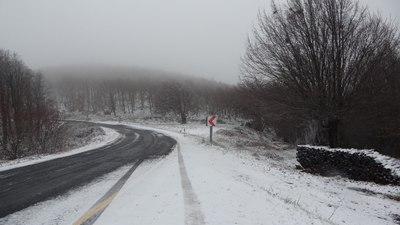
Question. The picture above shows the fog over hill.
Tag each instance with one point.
(111, 72)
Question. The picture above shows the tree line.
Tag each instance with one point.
(155, 95)
(28, 117)
(325, 72)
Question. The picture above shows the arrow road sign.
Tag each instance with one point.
(212, 121)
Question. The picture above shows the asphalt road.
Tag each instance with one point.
(25, 186)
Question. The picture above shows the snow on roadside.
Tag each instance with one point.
(151, 196)
(67, 208)
(109, 137)
(255, 186)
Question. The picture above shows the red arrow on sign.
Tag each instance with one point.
(211, 121)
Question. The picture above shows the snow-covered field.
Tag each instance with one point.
(243, 178)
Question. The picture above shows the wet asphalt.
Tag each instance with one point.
(24, 186)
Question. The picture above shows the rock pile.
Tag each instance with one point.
(351, 164)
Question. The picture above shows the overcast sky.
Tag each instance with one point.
(199, 37)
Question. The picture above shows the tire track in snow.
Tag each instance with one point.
(193, 213)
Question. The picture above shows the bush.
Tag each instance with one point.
(361, 165)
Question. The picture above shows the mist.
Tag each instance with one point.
(201, 38)
(194, 112)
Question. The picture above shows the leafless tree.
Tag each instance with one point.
(324, 54)
(176, 97)
(28, 117)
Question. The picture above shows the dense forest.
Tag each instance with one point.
(107, 90)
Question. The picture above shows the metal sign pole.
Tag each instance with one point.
(211, 128)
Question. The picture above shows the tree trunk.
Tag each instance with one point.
(183, 118)
(333, 133)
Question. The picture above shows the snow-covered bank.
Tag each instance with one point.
(245, 185)
(109, 137)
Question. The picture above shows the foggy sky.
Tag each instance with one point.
(199, 37)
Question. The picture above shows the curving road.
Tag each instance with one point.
(25, 186)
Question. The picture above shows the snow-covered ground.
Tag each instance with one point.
(243, 178)
(109, 136)
(231, 184)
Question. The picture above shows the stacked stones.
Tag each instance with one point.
(353, 165)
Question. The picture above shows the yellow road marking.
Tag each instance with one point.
(91, 212)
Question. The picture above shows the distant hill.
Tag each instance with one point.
(111, 72)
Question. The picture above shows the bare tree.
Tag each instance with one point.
(175, 97)
(28, 118)
(324, 54)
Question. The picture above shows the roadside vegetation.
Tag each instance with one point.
(325, 73)
(29, 117)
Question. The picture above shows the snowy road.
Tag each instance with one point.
(25, 186)
(225, 183)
